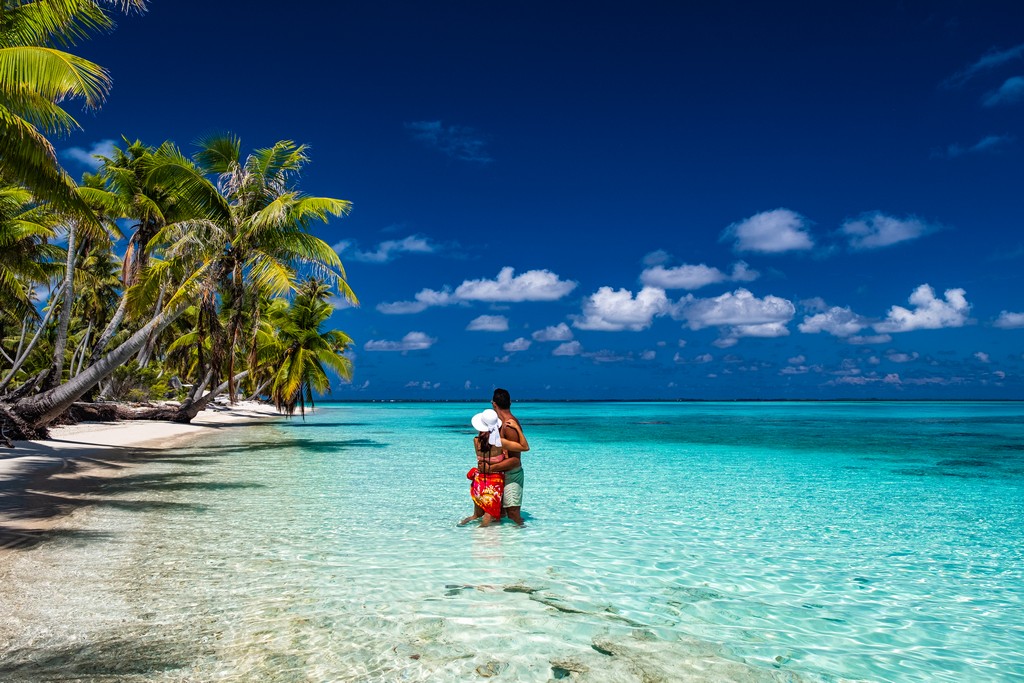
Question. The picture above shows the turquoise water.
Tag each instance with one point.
(734, 541)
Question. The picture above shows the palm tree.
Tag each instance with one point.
(27, 260)
(35, 76)
(267, 239)
(255, 238)
(305, 351)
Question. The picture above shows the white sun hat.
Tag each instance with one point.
(486, 421)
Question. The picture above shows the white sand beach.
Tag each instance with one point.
(43, 481)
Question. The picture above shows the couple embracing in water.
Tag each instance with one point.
(498, 476)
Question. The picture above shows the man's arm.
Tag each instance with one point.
(505, 465)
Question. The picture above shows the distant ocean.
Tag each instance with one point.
(744, 541)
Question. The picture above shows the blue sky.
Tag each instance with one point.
(630, 200)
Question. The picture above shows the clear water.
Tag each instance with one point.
(664, 541)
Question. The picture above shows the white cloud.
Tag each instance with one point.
(1009, 321)
(990, 60)
(614, 310)
(1010, 92)
(559, 332)
(725, 342)
(771, 232)
(386, 251)
(424, 299)
(876, 230)
(695, 276)
(656, 258)
(930, 313)
(339, 303)
(457, 142)
(414, 341)
(648, 355)
(468, 385)
(87, 157)
(488, 323)
(533, 285)
(982, 356)
(704, 358)
(426, 384)
(989, 143)
(520, 344)
(572, 348)
(503, 359)
(740, 308)
(900, 357)
(797, 360)
(870, 339)
(766, 330)
(839, 322)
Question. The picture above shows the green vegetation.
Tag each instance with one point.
(217, 285)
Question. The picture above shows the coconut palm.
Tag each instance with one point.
(305, 351)
(267, 241)
(35, 76)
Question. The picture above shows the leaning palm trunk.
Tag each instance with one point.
(191, 406)
(42, 409)
(111, 329)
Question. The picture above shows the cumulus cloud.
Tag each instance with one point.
(982, 356)
(414, 341)
(533, 285)
(488, 323)
(839, 322)
(457, 142)
(870, 339)
(559, 332)
(386, 251)
(900, 357)
(771, 232)
(1009, 321)
(613, 310)
(520, 344)
(988, 61)
(648, 355)
(739, 314)
(571, 348)
(876, 230)
(424, 299)
(929, 312)
(1010, 92)
(739, 308)
(989, 143)
(695, 276)
(88, 157)
(797, 360)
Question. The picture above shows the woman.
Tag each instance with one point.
(487, 487)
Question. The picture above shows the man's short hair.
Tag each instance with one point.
(502, 399)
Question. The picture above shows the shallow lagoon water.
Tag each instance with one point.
(704, 541)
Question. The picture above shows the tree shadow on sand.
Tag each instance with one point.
(121, 658)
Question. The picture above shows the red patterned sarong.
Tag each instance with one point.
(486, 491)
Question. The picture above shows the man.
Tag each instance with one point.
(512, 501)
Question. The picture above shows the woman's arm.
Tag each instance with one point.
(521, 445)
(503, 466)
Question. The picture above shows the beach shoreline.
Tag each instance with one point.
(42, 482)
